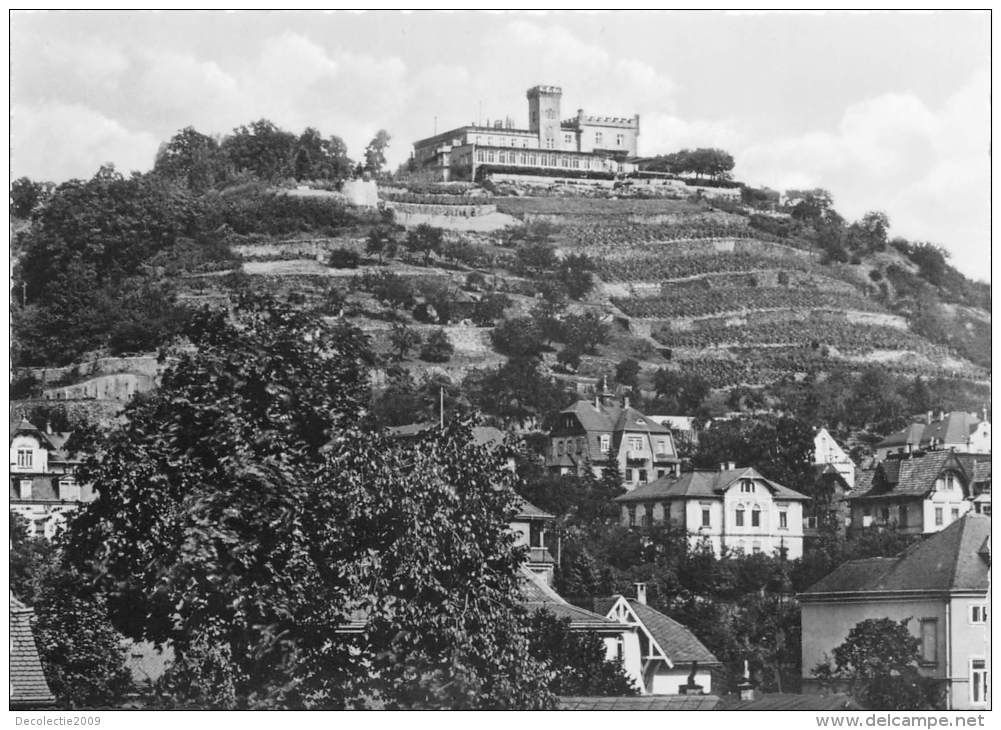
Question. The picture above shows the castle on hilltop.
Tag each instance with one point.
(585, 145)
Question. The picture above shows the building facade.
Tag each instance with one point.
(957, 431)
(921, 494)
(594, 435)
(941, 585)
(583, 145)
(43, 485)
(731, 509)
(671, 654)
(828, 451)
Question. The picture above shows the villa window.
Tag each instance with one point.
(635, 443)
(662, 447)
(705, 517)
(955, 513)
(929, 640)
(783, 521)
(978, 682)
(549, 143)
(629, 475)
(739, 521)
(938, 517)
(746, 486)
(490, 156)
(606, 443)
(568, 138)
(756, 517)
(978, 614)
(559, 447)
(618, 140)
(642, 476)
(632, 517)
(24, 458)
(480, 156)
(531, 160)
(660, 473)
(597, 138)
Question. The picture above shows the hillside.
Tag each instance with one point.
(732, 296)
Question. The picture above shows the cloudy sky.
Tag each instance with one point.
(887, 111)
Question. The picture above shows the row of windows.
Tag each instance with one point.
(68, 489)
(903, 515)
(707, 511)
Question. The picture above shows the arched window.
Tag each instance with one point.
(739, 521)
(755, 516)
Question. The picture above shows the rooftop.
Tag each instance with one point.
(704, 484)
(955, 559)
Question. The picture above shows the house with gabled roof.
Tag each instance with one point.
(921, 494)
(593, 435)
(941, 585)
(669, 651)
(43, 488)
(827, 451)
(731, 508)
(28, 686)
(957, 430)
(621, 640)
(531, 527)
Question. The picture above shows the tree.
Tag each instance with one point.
(577, 660)
(262, 149)
(426, 240)
(535, 257)
(880, 658)
(490, 308)
(26, 195)
(584, 332)
(191, 158)
(381, 241)
(681, 392)
(574, 272)
(317, 158)
(81, 652)
(519, 337)
(517, 391)
(375, 152)
(244, 516)
(394, 290)
(403, 339)
(438, 347)
(627, 373)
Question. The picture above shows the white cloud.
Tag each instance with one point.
(929, 169)
(58, 141)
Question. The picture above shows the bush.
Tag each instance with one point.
(342, 258)
(437, 348)
(519, 337)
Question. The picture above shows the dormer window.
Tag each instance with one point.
(24, 458)
(746, 486)
(606, 443)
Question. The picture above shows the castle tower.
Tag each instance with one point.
(544, 115)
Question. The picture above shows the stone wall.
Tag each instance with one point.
(137, 364)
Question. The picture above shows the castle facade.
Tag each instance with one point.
(585, 145)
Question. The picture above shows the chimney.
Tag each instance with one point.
(727, 466)
(640, 592)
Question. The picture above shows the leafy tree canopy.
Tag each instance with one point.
(244, 517)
